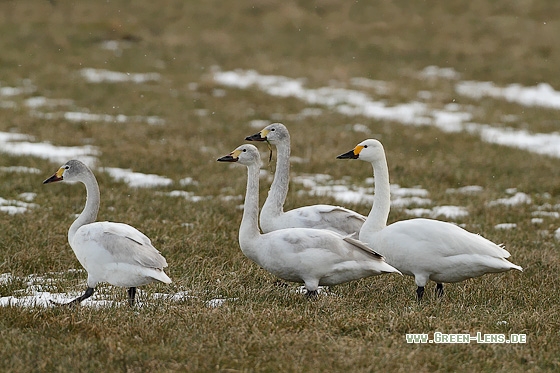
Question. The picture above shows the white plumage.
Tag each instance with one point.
(310, 256)
(110, 252)
(424, 248)
(273, 217)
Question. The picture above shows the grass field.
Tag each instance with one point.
(174, 118)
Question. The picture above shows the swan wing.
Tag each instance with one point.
(362, 246)
(334, 218)
(441, 238)
(124, 243)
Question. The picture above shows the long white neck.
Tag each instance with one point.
(89, 214)
(274, 204)
(377, 218)
(249, 229)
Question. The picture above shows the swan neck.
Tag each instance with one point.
(274, 204)
(249, 223)
(89, 213)
(377, 218)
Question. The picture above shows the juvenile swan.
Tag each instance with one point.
(112, 252)
(424, 248)
(273, 217)
(310, 256)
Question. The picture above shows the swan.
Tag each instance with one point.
(310, 256)
(273, 217)
(424, 248)
(110, 252)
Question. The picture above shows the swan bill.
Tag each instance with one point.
(56, 177)
(256, 137)
(349, 155)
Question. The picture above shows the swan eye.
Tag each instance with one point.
(273, 129)
(365, 146)
(66, 167)
(244, 150)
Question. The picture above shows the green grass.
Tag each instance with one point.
(360, 326)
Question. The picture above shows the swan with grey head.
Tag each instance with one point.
(273, 216)
(110, 252)
(310, 256)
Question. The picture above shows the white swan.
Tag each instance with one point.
(112, 252)
(273, 217)
(310, 256)
(424, 248)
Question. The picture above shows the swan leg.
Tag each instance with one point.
(420, 293)
(439, 289)
(312, 286)
(131, 295)
(86, 295)
(312, 294)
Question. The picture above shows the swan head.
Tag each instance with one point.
(369, 150)
(245, 154)
(70, 171)
(274, 133)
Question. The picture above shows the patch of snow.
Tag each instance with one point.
(505, 226)
(137, 179)
(518, 199)
(12, 143)
(450, 212)
(189, 196)
(101, 75)
(469, 189)
(431, 72)
(21, 169)
(12, 206)
(453, 118)
(541, 95)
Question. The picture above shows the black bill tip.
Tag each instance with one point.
(348, 155)
(255, 137)
(52, 179)
(227, 158)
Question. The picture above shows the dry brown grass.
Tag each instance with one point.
(361, 326)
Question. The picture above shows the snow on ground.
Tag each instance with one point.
(20, 144)
(505, 226)
(35, 104)
(469, 189)
(517, 199)
(137, 179)
(80, 116)
(20, 169)
(351, 102)
(541, 95)
(38, 292)
(13, 206)
(106, 76)
(449, 212)
(453, 118)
